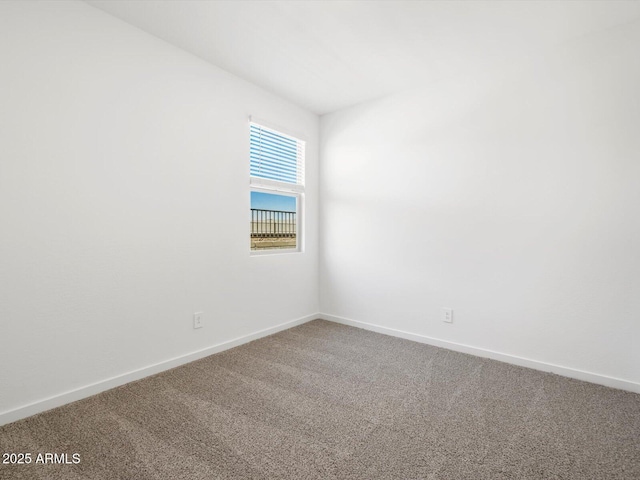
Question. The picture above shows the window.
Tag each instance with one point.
(277, 189)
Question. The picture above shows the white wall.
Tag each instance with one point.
(124, 203)
(512, 198)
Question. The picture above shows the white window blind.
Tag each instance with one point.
(276, 159)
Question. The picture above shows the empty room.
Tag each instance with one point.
(319, 240)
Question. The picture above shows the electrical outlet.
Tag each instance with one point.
(197, 320)
(447, 315)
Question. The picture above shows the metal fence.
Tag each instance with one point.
(272, 224)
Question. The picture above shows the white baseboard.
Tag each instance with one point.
(502, 357)
(102, 385)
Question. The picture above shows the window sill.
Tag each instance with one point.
(262, 253)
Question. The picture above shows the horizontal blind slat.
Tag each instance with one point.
(257, 137)
(264, 152)
(272, 133)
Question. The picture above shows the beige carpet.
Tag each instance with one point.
(325, 401)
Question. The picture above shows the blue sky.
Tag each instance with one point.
(272, 201)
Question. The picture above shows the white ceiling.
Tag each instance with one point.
(327, 55)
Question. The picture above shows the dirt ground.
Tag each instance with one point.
(273, 243)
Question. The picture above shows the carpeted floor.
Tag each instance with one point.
(326, 401)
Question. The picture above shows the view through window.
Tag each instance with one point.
(273, 221)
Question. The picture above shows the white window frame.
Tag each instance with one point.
(299, 201)
(274, 187)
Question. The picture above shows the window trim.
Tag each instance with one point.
(299, 222)
(264, 185)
